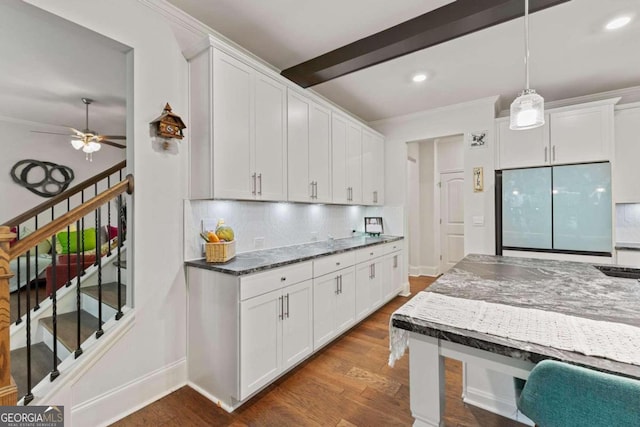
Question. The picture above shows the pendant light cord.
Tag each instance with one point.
(526, 43)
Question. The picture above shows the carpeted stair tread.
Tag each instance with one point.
(41, 365)
(109, 293)
(67, 328)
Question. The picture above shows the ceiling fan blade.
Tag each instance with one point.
(113, 136)
(112, 144)
(78, 133)
(51, 133)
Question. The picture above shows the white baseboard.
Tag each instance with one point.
(496, 404)
(116, 404)
(423, 270)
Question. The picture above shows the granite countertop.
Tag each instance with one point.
(252, 262)
(571, 288)
(627, 246)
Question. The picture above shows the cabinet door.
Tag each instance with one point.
(368, 168)
(581, 135)
(260, 341)
(386, 277)
(354, 162)
(379, 170)
(339, 159)
(626, 173)
(270, 159)
(320, 152)
(522, 148)
(397, 281)
(364, 275)
(232, 124)
(298, 113)
(345, 313)
(325, 291)
(297, 327)
(375, 284)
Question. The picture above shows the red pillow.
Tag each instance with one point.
(15, 239)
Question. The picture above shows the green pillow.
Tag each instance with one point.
(69, 241)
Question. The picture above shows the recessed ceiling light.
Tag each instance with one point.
(619, 22)
(420, 77)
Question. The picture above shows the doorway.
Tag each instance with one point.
(451, 219)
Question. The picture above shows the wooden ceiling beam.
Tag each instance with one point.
(446, 23)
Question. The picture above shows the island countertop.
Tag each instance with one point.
(570, 288)
(252, 262)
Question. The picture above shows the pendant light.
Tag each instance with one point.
(527, 110)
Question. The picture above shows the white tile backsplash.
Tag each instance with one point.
(628, 223)
(278, 224)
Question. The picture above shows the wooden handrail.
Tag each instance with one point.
(64, 195)
(8, 390)
(23, 245)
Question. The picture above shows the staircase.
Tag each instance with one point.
(67, 325)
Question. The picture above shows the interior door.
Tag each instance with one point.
(452, 219)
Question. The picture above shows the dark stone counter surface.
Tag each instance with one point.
(571, 288)
(252, 262)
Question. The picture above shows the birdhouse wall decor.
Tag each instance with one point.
(168, 125)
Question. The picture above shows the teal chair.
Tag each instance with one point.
(561, 395)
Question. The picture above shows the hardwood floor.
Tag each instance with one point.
(346, 384)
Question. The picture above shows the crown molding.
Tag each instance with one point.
(488, 101)
(625, 95)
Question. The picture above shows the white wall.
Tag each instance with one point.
(428, 263)
(21, 144)
(413, 207)
(457, 119)
(157, 339)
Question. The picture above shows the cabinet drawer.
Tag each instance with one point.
(332, 263)
(261, 283)
(364, 255)
(392, 247)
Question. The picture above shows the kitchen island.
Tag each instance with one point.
(531, 291)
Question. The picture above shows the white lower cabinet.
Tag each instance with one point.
(275, 334)
(246, 331)
(334, 305)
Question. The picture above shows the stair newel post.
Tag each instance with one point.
(81, 271)
(119, 314)
(29, 396)
(8, 390)
(99, 332)
(54, 313)
(78, 351)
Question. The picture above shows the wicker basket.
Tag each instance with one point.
(220, 252)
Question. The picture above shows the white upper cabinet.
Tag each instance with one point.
(238, 140)
(354, 163)
(309, 136)
(339, 159)
(626, 173)
(522, 148)
(576, 134)
(372, 169)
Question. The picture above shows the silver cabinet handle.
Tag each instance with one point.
(395, 261)
(260, 182)
(375, 197)
(337, 285)
(553, 152)
(371, 271)
(281, 302)
(374, 270)
(545, 154)
(341, 283)
(315, 186)
(287, 306)
(253, 177)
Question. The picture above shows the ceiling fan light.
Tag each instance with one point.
(77, 143)
(527, 111)
(91, 147)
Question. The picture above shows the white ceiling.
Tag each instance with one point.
(571, 53)
(49, 64)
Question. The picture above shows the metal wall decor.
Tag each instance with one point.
(53, 180)
(478, 139)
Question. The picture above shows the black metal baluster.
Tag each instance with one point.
(54, 308)
(29, 396)
(37, 305)
(97, 223)
(81, 272)
(109, 219)
(19, 319)
(78, 351)
(68, 246)
(53, 285)
(99, 332)
(119, 314)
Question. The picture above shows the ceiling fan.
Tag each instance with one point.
(89, 140)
